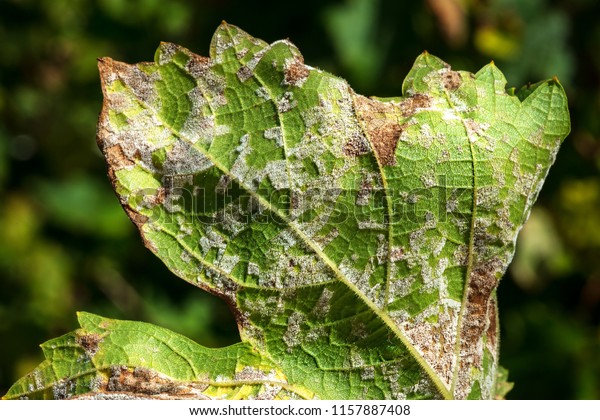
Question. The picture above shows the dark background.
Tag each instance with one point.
(66, 245)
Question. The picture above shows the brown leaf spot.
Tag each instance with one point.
(452, 80)
(139, 381)
(381, 126)
(477, 320)
(295, 73)
(89, 342)
(116, 158)
(411, 104)
(244, 73)
(356, 146)
(492, 330)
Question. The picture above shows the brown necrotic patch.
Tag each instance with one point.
(452, 80)
(479, 320)
(411, 104)
(380, 123)
(116, 158)
(89, 342)
(356, 146)
(295, 73)
(142, 381)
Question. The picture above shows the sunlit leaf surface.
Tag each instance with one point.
(359, 240)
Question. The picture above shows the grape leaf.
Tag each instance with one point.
(358, 240)
(108, 359)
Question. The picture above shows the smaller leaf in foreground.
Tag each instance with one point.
(109, 359)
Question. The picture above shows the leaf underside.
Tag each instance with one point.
(359, 241)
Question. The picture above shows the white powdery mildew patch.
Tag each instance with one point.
(241, 53)
(323, 241)
(232, 220)
(251, 374)
(272, 306)
(253, 269)
(198, 125)
(250, 177)
(476, 135)
(210, 240)
(293, 334)
(274, 133)
(286, 102)
(262, 92)
(253, 62)
(143, 86)
(312, 148)
(186, 257)
(370, 225)
(222, 44)
(401, 286)
(438, 246)
(315, 334)
(428, 137)
(184, 159)
(435, 341)
(382, 249)
(185, 227)
(268, 392)
(292, 272)
(286, 239)
(361, 280)
(210, 85)
(355, 359)
(140, 137)
(228, 262)
(323, 305)
(428, 179)
(276, 170)
(391, 374)
(244, 73)
(367, 373)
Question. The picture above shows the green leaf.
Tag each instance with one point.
(107, 359)
(359, 240)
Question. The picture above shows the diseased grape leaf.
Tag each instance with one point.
(111, 359)
(359, 241)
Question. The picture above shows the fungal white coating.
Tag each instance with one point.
(253, 62)
(268, 392)
(362, 280)
(323, 305)
(359, 330)
(185, 256)
(253, 269)
(286, 102)
(262, 93)
(274, 133)
(367, 373)
(382, 249)
(323, 241)
(241, 53)
(356, 360)
(293, 334)
(428, 179)
(184, 159)
(315, 333)
(212, 239)
(228, 262)
(37, 380)
(244, 73)
(276, 170)
(292, 272)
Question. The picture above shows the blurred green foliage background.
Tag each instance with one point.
(66, 244)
